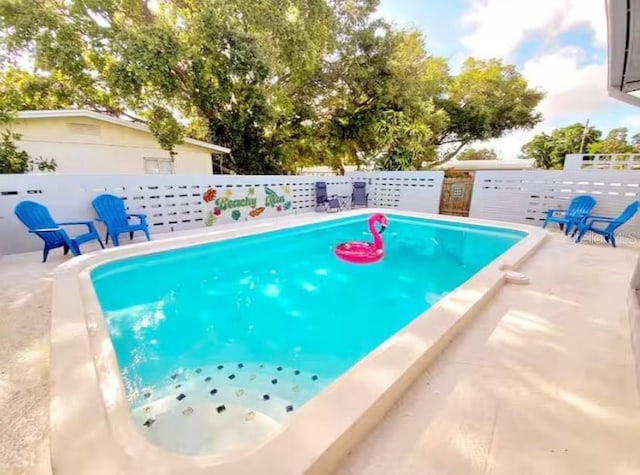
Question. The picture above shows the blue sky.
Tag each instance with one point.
(558, 45)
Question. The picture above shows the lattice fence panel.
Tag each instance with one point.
(411, 191)
(180, 202)
(524, 196)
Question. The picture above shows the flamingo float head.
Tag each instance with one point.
(378, 218)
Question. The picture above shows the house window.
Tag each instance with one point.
(163, 166)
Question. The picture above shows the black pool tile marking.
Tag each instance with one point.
(188, 411)
(274, 381)
(296, 372)
(279, 368)
(220, 366)
(147, 395)
(213, 392)
(207, 379)
(240, 365)
(174, 375)
(221, 408)
(199, 370)
(314, 377)
(266, 397)
(260, 366)
(177, 386)
(181, 396)
(232, 376)
(149, 422)
(289, 408)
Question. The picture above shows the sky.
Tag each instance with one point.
(558, 45)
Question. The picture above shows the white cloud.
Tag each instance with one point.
(574, 84)
(570, 87)
(499, 26)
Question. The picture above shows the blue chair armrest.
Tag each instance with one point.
(73, 223)
(88, 224)
(551, 211)
(593, 219)
(45, 230)
(593, 216)
(142, 217)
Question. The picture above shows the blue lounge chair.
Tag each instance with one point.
(322, 198)
(37, 219)
(113, 214)
(579, 207)
(359, 197)
(610, 224)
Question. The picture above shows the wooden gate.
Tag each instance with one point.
(456, 195)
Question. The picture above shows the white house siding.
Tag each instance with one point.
(88, 146)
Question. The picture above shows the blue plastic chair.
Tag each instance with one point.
(589, 224)
(113, 214)
(359, 197)
(579, 207)
(38, 220)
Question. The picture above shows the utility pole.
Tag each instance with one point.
(584, 135)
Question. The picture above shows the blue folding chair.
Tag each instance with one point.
(38, 220)
(589, 223)
(579, 207)
(113, 214)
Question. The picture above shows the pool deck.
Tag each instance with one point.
(542, 380)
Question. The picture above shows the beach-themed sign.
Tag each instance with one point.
(237, 207)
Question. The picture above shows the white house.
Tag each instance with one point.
(476, 165)
(87, 142)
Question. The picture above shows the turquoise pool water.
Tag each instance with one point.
(276, 314)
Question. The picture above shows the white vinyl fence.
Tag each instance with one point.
(411, 191)
(524, 196)
(602, 161)
(180, 202)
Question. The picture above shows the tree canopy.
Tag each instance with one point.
(549, 150)
(281, 83)
(478, 154)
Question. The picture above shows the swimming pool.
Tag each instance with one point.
(218, 344)
(109, 378)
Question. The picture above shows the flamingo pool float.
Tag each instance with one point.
(358, 252)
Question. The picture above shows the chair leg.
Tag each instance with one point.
(146, 233)
(131, 236)
(581, 234)
(66, 250)
(45, 253)
(544, 225)
(106, 238)
(100, 241)
(75, 249)
(116, 241)
(613, 240)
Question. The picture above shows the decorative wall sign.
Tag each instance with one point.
(230, 206)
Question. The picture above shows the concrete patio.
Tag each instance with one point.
(541, 382)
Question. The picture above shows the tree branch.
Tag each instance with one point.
(451, 154)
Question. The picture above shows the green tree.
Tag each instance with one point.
(477, 154)
(615, 142)
(13, 160)
(549, 150)
(485, 101)
(280, 82)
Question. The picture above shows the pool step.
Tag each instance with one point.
(205, 427)
(215, 408)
